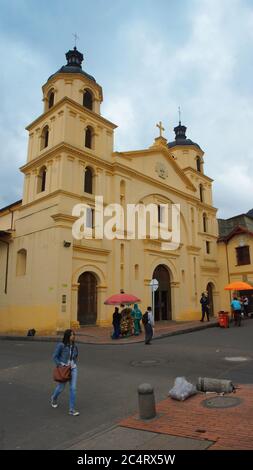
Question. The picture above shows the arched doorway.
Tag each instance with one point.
(210, 289)
(163, 294)
(87, 299)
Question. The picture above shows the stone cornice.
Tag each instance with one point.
(64, 218)
(209, 260)
(208, 235)
(210, 269)
(93, 250)
(204, 205)
(198, 173)
(74, 105)
(193, 249)
(197, 149)
(170, 253)
(240, 272)
(63, 147)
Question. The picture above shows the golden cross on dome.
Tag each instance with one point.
(160, 127)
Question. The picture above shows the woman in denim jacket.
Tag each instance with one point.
(65, 354)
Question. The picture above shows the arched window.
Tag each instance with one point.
(198, 162)
(44, 138)
(21, 262)
(88, 180)
(88, 137)
(201, 192)
(87, 99)
(50, 99)
(204, 222)
(42, 180)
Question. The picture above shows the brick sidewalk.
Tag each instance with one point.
(228, 428)
(102, 335)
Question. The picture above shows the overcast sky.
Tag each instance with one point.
(149, 57)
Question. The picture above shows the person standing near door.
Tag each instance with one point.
(245, 305)
(116, 323)
(204, 306)
(148, 322)
(236, 307)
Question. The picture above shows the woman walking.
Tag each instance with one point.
(66, 354)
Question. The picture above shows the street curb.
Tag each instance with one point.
(188, 330)
(53, 339)
(47, 339)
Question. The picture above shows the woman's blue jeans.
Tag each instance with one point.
(72, 388)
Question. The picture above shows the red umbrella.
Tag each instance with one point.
(122, 299)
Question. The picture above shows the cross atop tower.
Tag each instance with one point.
(76, 37)
(179, 114)
(160, 127)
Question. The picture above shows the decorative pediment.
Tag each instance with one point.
(161, 170)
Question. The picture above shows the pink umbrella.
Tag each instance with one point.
(122, 299)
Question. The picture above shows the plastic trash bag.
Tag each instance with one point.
(182, 389)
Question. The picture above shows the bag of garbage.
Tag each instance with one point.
(182, 389)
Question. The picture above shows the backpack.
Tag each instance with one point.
(145, 318)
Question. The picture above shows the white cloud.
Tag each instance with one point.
(201, 74)
(122, 107)
(231, 187)
(20, 97)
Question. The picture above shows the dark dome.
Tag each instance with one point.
(183, 142)
(74, 61)
(181, 138)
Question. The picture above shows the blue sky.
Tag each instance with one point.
(149, 57)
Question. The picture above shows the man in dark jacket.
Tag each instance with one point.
(204, 306)
(116, 323)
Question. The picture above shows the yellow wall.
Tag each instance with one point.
(229, 270)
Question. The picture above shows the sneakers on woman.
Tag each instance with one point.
(74, 413)
(54, 404)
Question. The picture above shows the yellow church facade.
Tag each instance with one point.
(49, 280)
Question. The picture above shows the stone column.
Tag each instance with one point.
(175, 299)
(103, 311)
(74, 323)
(34, 186)
(26, 188)
(49, 175)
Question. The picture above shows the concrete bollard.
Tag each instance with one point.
(146, 401)
(205, 384)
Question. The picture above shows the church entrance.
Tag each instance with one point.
(163, 294)
(87, 299)
(210, 288)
